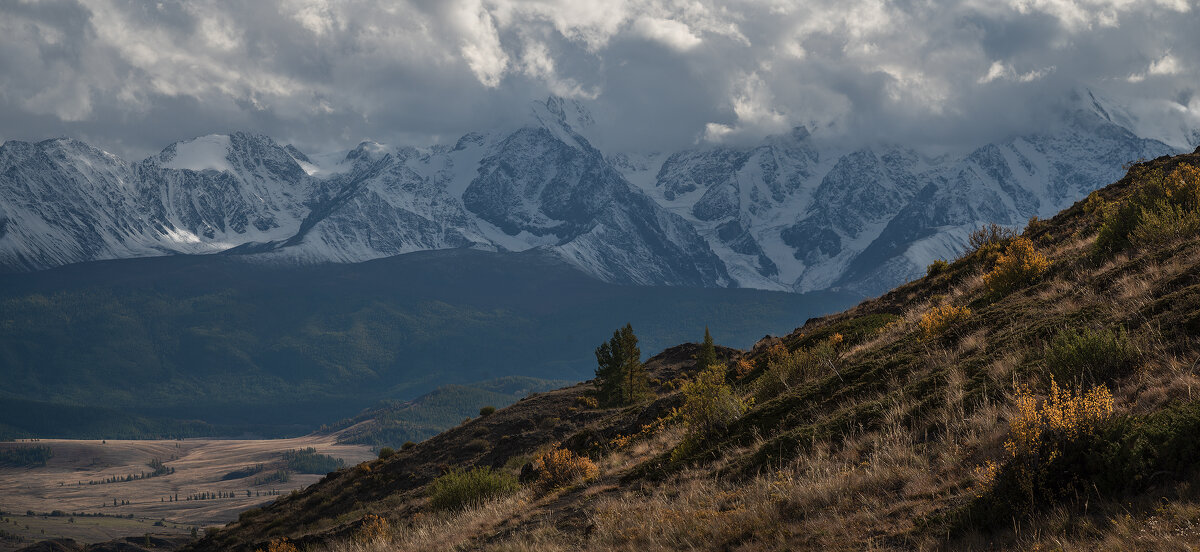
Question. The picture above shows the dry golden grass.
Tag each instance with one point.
(973, 343)
(886, 336)
(861, 490)
(438, 531)
(625, 458)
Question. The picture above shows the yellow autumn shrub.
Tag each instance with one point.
(940, 319)
(1020, 264)
(1182, 187)
(1040, 429)
(279, 545)
(587, 401)
(560, 467)
(373, 529)
(742, 368)
(1065, 414)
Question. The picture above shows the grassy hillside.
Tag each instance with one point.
(190, 346)
(1038, 393)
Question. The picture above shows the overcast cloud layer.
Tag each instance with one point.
(133, 76)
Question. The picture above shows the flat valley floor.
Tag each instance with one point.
(145, 505)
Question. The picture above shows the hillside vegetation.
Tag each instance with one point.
(1039, 392)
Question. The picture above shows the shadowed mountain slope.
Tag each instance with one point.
(204, 345)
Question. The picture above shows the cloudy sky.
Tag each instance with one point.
(133, 76)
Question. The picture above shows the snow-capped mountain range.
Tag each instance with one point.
(790, 213)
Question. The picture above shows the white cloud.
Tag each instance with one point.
(658, 73)
(999, 71)
(1082, 15)
(481, 47)
(674, 34)
(317, 16)
(754, 110)
(1166, 65)
(538, 62)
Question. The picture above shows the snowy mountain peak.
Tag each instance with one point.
(1094, 105)
(198, 154)
(792, 212)
(60, 149)
(565, 119)
(368, 151)
(571, 112)
(1174, 123)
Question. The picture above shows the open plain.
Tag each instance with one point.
(82, 491)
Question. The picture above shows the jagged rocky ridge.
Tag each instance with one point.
(791, 213)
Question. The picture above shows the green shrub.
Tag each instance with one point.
(988, 236)
(787, 368)
(709, 403)
(407, 445)
(1089, 357)
(936, 267)
(853, 331)
(248, 514)
(1162, 223)
(458, 488)
(1117, 222)
(487, 411)
(1161, 208)
(1136, 450)
(386, 452)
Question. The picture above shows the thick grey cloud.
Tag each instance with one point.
(132, 76)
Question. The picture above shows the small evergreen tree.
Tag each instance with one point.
(708, 352)
(622, 376)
